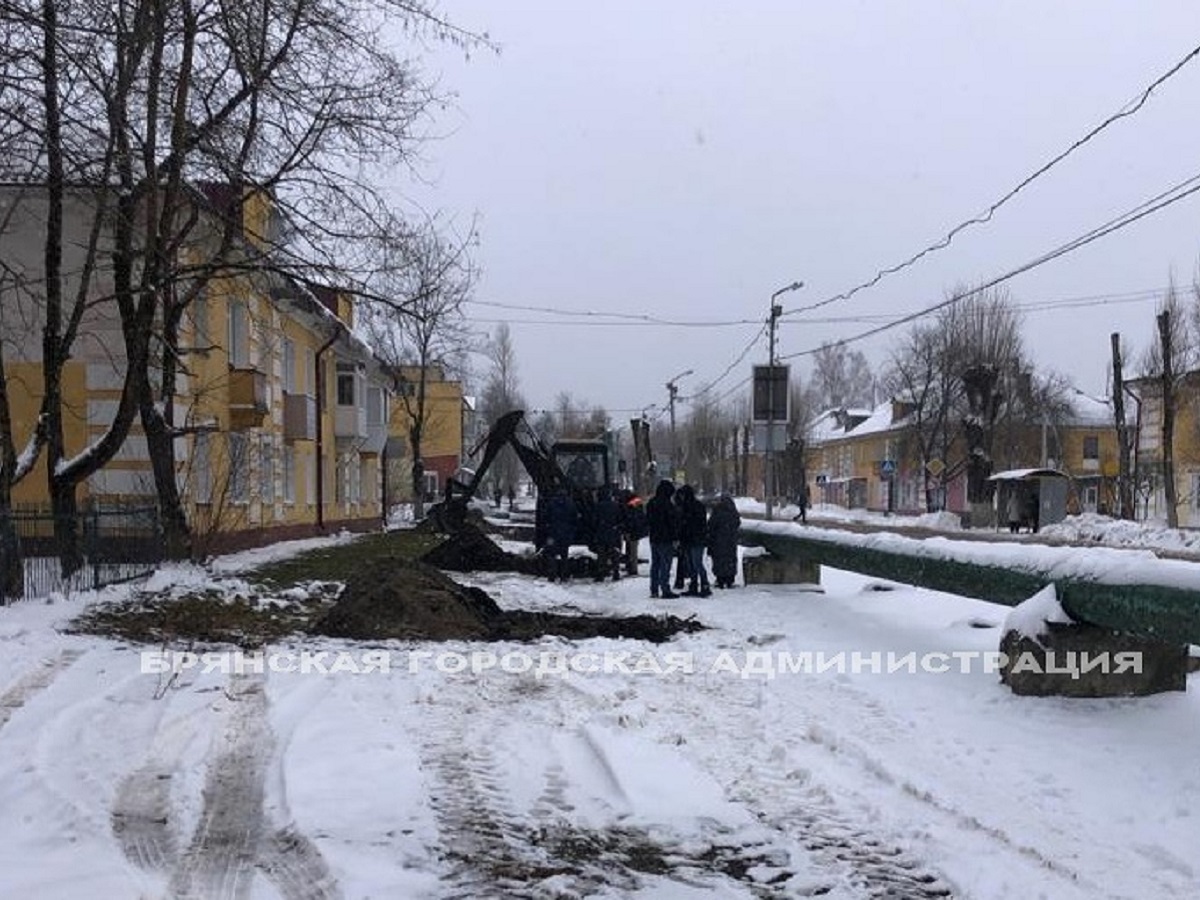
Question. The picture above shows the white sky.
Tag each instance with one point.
(684, 161)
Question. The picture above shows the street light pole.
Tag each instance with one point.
(672, 390)
(769, 457)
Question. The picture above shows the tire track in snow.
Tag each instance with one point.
(141, 812)
(749, 765)
(219, 862)
(34, 682)
(231, 842)
(493, 849)
(479, 837)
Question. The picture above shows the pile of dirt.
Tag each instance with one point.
(396, 598)
(470, 550)
(414, 601)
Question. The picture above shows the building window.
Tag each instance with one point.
(376, 407)
(239, 467)
(310, 480)
(1091, 447)
(267, 470)
(431, 485)
(239, 335)
(289, 474)
(202, 469)
(308, 376)
(201, 336)
(289, 365)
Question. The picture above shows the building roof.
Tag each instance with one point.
(1026, 474)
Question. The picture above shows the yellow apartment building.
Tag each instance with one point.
(281, 411)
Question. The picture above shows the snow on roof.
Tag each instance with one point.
(831, 424)
(1023, 474)
(1089, 410)
(879, 420)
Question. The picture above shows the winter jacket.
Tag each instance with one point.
(723, 527)
(693, 531)
(661, 522)
(561, 520)
(608, 521)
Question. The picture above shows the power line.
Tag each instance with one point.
(1172, 195)
(1128, 110)
(630, 318)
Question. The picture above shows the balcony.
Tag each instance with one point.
(299, 417)
(350, 423)
(376, 440)
(247, 398)
(377, 421)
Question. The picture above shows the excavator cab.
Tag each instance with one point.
(584, 463)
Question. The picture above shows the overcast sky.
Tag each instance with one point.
(684, 160)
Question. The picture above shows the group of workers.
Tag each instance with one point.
(678, 524)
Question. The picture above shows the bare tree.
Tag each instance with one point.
(426, 277)
(501, 393)
(841, 377)
(706, 443)
(139, 102)
(923, 378)
(985, 342)
(1168, 361)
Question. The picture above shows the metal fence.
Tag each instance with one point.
(118, 543)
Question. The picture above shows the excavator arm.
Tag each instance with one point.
(510, 430)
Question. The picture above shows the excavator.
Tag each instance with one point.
(578, 465)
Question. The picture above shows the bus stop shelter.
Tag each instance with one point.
(1042, 494)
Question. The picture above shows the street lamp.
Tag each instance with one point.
(672, 390)
(769, 458)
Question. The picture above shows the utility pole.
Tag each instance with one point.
(672, 390)
(769, 457)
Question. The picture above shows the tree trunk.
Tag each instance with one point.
(1124, 483)
(418, 469)
(177, 535)
(1168, 420)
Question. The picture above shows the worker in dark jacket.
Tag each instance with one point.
(606, 537)
(683, 562)
(693, 537)
(662, 527)
(561, 521)
(723, 527)
(633, 528)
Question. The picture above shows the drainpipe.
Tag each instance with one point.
(321, 385)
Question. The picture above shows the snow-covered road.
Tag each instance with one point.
(717, 765)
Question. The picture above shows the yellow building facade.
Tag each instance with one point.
(281, 411)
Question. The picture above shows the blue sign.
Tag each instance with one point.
(887, 468)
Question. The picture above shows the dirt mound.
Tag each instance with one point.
(408, 600)
(470, 550)
(414, 601)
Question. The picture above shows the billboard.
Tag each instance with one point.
(771, 394)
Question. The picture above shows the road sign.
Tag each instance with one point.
(771, 394)
(887, 469)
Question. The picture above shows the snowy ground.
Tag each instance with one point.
(692, 769)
